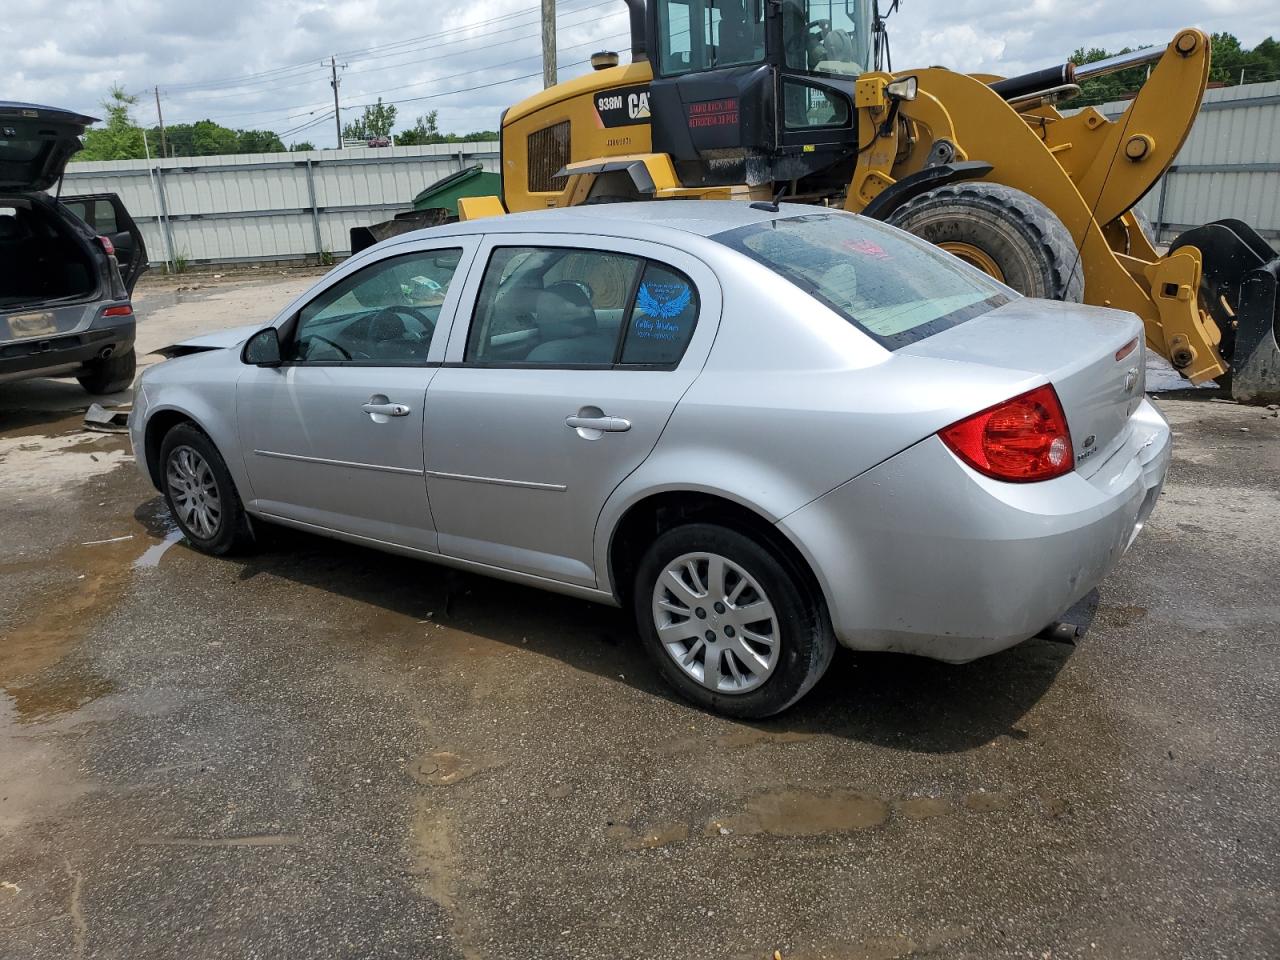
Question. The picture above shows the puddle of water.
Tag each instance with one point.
(37, 780)
(736, 740)
(444, 769)
(438, 863)
(91, 577)
(657, 836)
(62, 614)
(65, 694)
(924, 808)
(150, 557)
(797, 813)
(985, 801)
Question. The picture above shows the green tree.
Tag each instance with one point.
(303, 145)
(376, 121)
(121, 138)
(426, 129)
(206, 138)
(258, 141)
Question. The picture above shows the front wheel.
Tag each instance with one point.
(201, 494)
(729, 625)
(1005, 233)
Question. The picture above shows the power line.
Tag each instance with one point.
(274, 74)
(457, 53)
(312, 107)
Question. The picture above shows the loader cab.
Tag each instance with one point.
(757, 91)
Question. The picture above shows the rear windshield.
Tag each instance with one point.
(893, 287)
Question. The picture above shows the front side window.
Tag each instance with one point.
(890, 285)
(706, 34)
(566, 307)
(827, 36)
(808, 107)
(384, 313)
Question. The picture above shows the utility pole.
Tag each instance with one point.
(548, 43)
(337, 112)
(160, 117)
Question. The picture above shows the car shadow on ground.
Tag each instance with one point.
(890, 700)
(27, 405)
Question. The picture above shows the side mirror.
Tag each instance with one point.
(263, 348)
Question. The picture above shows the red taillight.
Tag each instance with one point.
(124, 310)
(1020, 440)
(1127, 349)
(107, 246)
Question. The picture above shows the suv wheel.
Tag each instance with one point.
(201, 494)
(110, 375)
(729, 625)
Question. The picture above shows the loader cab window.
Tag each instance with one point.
(831, 37)
(696, 35)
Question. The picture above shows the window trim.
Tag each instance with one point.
(616, 364)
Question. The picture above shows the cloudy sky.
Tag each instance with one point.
(246, 63)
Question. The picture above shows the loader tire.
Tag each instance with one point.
(1001, 231)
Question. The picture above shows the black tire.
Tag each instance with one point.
(231, 533)
(110, 375)
(1024, 238)
(806, 642)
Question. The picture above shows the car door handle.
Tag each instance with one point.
(606, 424)
(386, 409)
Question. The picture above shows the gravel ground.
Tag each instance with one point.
(320, 751)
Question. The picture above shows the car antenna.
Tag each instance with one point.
(770, 206)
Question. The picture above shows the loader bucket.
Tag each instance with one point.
(1239, 285)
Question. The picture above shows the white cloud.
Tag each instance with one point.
(68, 52)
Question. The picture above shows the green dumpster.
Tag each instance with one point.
(471, 182)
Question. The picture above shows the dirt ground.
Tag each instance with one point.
(320, 751)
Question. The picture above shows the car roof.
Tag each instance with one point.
(645, 219)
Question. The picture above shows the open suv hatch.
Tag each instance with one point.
(67, 266)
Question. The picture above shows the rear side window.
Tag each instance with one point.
(99, 214)
(566, 307)
(894, 287)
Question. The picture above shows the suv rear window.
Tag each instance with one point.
(893, 287)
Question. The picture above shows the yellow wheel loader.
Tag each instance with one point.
(763, 100)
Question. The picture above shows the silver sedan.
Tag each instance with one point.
(765, 430)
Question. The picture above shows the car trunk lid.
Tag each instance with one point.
(1089, 354)
(35, 144)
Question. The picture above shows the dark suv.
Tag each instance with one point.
(68, 266)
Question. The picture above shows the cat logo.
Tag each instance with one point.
(638, 105)
(623, 107)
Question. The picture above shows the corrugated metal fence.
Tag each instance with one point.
(285, 206)
(1229, 166)
(270, 206)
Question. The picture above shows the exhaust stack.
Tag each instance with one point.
(639, 49)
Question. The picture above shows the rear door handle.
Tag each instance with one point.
(386, 409)
(605, 424)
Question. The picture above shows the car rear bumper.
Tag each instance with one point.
(65, 353)
(923, 555)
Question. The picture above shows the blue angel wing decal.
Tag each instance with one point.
(645, 302)
(666, 309)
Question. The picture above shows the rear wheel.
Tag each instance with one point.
(110, 375)
(201, 494)
(729, 625)
(1004, 232)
